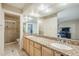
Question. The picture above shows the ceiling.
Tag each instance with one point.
(37, 9)
(15, 7)
(43, 9)
(18, 5)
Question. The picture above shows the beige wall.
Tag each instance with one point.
(48, 27)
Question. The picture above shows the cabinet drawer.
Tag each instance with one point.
(36, 45)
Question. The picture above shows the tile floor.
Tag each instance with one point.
(13, 50)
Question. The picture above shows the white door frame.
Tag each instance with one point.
(2, 27)
(21, 31)
(21, 25)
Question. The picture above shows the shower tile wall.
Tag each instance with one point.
(11, 30)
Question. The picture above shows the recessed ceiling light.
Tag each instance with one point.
(44, 7)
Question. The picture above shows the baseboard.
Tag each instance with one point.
(10, 43)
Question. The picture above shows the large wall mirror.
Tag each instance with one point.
(60, 21)
(68, 22)
(42, 20)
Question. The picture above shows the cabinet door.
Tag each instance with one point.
(28, 46)
(37, 52)
(46, 51)
(38, 46)
(31, 48)
(24, 44)
(37, 49)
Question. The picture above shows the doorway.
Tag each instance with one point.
(12, 33)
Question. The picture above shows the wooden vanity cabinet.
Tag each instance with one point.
(31, 48)
(46, 51)
(24, 44)
(28, 46)
(37, 52)
(37, 49)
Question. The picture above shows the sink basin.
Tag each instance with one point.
(61, 46)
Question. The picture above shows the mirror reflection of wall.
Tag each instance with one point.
(48, 27)
(41, 26)
(68, 22)
(31, 25)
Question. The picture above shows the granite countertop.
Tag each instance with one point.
(47, 42)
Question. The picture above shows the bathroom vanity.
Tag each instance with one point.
(33, 48)
(63, 26)
(40, 46)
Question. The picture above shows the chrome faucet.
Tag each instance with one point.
(61, 40)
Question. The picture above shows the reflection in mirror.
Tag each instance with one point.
(68, 22)
(31, 25)
(41, 26)
(66, 16)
